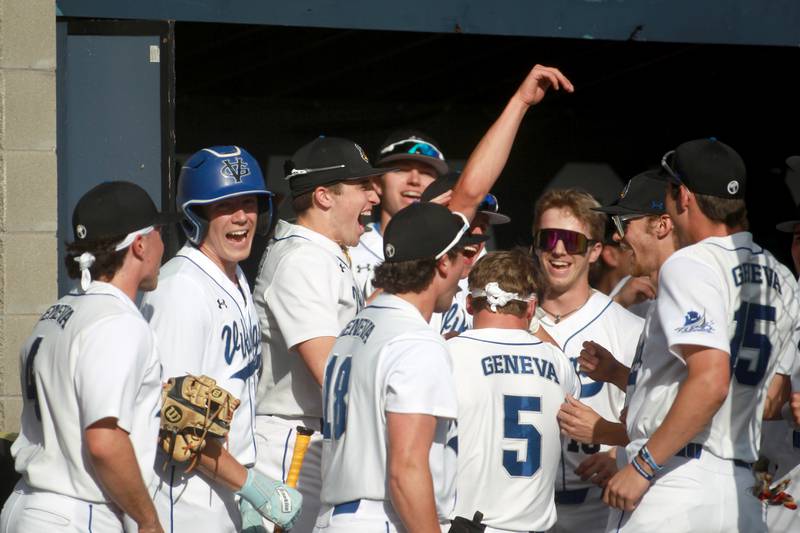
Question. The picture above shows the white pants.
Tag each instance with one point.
(190, 503)
(589, 516)
(370, 516)
(703, 495)
(275, 438)
(29, 511)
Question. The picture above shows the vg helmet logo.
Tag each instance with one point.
(235, 169)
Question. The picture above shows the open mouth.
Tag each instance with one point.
(413, 196)
(558, 266)
(364, 218)
(238, 236)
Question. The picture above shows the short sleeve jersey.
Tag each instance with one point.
(726, 293)
(305, 289)
(610, 325)
(366, 256)
(206, 324)
(91, 356)
(510, 387)
(386, 360)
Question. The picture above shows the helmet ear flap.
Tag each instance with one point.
(193, 225)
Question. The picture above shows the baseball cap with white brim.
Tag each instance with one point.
(425, 231)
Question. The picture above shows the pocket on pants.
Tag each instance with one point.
(45, 515)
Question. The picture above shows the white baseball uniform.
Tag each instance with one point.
(205, 324)
(387, 359)
(304, 290)
(366, 256)
(579, 503)
(730, 294)
(91, 356)
(510, 387)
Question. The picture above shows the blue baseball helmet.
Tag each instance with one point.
(217, 173)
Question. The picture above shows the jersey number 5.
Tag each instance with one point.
(750, 351)
(339, 393)
(512, 429)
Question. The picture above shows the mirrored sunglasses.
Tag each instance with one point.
(489, 203)
(574, 243)
(413, 146)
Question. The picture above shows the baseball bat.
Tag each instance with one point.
(301, 443)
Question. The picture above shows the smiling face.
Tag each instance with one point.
(479, 226)
(641, 239)
(350, 208)
(231, 225)
(565, 271)
(404, 186)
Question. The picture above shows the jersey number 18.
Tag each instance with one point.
(335, 428)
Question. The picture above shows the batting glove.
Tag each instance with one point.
(278, 503)
(251, 519)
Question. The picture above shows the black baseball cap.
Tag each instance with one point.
(488, 206)
(707, 166)
(643, 195)
(793, 162)
(425, 231)
(404, 145)
(325, 161)
(115, 209)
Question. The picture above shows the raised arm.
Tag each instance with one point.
(490, 156)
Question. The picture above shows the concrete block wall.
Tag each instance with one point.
(28, 184)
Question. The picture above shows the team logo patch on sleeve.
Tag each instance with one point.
(694, 322)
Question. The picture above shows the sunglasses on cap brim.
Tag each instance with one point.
(489, 204)
(574, 243)
(413, 146)
(666, 164)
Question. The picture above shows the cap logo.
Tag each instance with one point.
(733, 187)
(657, 204)
(80, 231)
(236, 169)
(361, 153)
(389, 250)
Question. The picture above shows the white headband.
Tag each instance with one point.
(498, 297)
(87, 259)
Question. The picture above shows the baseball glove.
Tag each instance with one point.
(193, 409)
(462, 525)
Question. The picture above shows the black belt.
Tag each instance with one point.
(694, 450)
(571, 497)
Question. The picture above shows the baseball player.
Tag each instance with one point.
(510, 386)
(389, 396)
(416, 162)
(305, 294)
(91, 379)
(724, 315)
(456, 319)
(206, 324)
(567, 235)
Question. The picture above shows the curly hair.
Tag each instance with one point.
(106, 260)
(408, 276)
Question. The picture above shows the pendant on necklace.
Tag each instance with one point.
(557, 319)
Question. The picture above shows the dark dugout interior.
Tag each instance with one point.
(272, 89)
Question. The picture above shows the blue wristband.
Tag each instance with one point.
(642, 472)
(644, 453)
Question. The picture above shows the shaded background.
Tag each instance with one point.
(272, 89)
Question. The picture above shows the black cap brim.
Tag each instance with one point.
(788, 226)
(621, 210)
(496, 218)
(438, 165)
(165, 219)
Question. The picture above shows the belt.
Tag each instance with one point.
(694, 450)
(571, 497)
(346, 507)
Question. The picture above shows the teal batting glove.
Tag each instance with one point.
(278, 503)
(251, 519)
